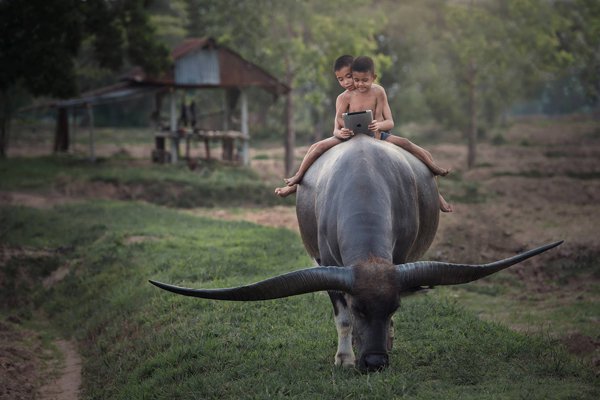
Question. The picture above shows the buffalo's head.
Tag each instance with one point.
(372, 292)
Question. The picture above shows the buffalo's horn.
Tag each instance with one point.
(290, 284)
(432, 273)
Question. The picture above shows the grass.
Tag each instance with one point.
(458, 190)
(556, 154)
(139, 342)
(211, 184)
(35, 131)
(535, 174)
(498, 140)
(531, 311)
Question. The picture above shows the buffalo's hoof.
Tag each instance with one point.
(345, 360)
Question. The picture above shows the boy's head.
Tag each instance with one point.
(363, 73)
(343, 71)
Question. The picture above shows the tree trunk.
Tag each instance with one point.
(4, 123)
(61, 135)
(290, 137)
(472, 134)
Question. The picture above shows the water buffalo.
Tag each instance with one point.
(367, 211)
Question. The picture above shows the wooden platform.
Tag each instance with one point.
(227, 139)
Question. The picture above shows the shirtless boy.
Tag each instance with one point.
(343, 74)
(361, 94)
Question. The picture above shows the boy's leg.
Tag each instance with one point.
(311, 149)
(444, 205)
(311, 156)
(418, 152)
(286, 190)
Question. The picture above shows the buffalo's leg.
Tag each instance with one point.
(390, 339)
(343, 323)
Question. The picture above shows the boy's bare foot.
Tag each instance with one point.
(444, 205)
(293, 180)
(286, 190)
(439, 170)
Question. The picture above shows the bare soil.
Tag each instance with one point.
(542, 184)
(67, 381)
(30, 370)
(20, 361)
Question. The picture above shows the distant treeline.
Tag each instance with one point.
(462, 64)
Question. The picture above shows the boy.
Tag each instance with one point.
(343, 74)
(357, 77)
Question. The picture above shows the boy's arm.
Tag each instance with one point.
(341, 106)
(387, 123)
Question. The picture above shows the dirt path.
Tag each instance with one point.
(275, 217)
(35, 200)
(68, 382)
(26, 363)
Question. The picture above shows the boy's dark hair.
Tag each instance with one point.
(363, 64)
(343, 61)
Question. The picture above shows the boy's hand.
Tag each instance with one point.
(344, 133)
(374, 126)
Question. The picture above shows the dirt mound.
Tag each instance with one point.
(20, 365)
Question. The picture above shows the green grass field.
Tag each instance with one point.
(211, 184)
(139, 342)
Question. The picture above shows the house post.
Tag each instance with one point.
(173, 127)
(90, 110)
(245, 130)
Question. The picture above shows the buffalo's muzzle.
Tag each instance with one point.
(373, 362)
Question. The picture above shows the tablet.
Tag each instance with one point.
(358, 122)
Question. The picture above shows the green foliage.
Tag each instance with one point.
(40, 39)
(428, 53)
(581, 39)
(498, 140)
(458, 190)
(140, 342)
(465, 64)
(503, 49)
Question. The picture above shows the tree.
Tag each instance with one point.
(581, 38)
(465, 63)
(499, 52)
(296, 41)
(40, 40)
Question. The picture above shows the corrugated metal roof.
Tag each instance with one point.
(109, 94)
(198, 67)
(234, 70)
(192, 44)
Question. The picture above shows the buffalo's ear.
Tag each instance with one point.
(290, 284)
(412, 276)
